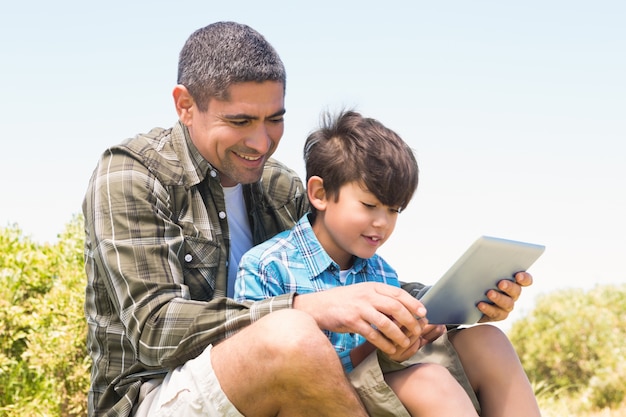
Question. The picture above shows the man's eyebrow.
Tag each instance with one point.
(245, 116)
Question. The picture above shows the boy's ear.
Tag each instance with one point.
(184, 103)
(316, 192)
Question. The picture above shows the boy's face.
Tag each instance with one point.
(238, 135)
(356, 224)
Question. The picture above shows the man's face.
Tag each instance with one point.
(237, 136)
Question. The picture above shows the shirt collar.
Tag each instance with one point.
(315, 257)
(195, 166)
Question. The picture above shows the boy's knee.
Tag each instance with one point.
(431, 373)
(488, 331)
(483, 338)
(424, 382)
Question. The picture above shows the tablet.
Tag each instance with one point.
(453, 299)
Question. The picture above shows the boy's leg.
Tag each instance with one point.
(380, 400)
(430, 390)
(495, 372)
(283, 365)
(377, 396)
(441, 352)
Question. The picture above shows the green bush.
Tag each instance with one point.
(44, 367)
(573, 342)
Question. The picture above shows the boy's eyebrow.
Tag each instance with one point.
(280, 112)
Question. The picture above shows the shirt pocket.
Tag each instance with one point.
(200, 260)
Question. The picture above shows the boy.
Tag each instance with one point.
(360, 176)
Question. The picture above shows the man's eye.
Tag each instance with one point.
(277, 120)
(240, 123)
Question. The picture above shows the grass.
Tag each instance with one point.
(572, 407)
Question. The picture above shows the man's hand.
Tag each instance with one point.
(504, 300)
(387, 316)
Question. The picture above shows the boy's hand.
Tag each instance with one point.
(504, 300)
(379, 312)
(430, 332)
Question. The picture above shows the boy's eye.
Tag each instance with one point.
(368, 205)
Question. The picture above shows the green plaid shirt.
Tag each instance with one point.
(156, 258)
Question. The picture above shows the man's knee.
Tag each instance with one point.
(292, 334)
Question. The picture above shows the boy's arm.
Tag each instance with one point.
(359, 353)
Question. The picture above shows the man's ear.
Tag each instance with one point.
(316, 192)
(184, 103)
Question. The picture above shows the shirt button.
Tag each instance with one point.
(222, 215)
(213, 173)
(188, 258)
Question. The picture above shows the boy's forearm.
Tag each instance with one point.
(359, 353)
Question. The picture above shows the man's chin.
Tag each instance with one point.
(247, 177)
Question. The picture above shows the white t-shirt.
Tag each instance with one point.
(240, 233)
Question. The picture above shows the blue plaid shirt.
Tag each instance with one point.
(294, 261)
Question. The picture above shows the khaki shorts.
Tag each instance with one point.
(193, 389)
(380, 400)
(189, 390)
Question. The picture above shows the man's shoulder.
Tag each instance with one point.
(276, 171)
(280, 182)
(148, 140)
(157, 151)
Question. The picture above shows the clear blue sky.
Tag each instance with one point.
(516, 111)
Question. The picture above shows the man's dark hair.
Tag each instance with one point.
(222, 54)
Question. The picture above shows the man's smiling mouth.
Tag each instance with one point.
(249, 157)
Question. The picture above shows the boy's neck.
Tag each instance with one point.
(344, 259)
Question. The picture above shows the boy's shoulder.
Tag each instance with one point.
(288, 244)
(381, 266)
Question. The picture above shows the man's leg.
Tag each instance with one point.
(283, 365)
(495, 372)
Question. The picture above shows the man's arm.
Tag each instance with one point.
(136, 254)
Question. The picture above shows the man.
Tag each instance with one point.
(168, 214)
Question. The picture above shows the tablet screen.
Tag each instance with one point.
(453, 299)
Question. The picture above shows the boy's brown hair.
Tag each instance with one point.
(350, 147)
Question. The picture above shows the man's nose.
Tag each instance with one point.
(259, 140)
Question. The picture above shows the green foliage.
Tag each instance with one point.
(44, 367)
(573, 342)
